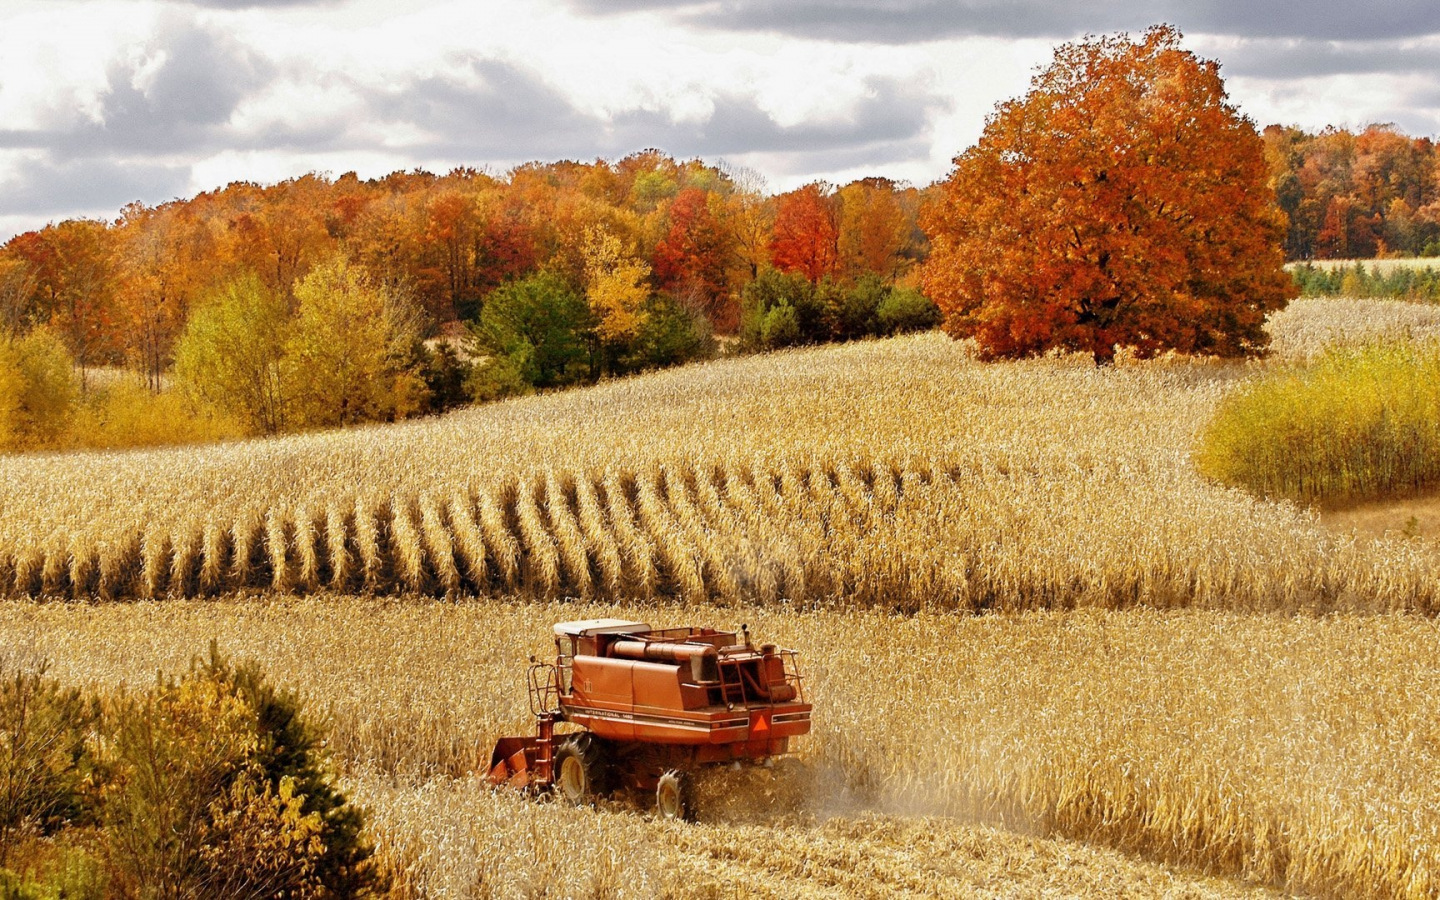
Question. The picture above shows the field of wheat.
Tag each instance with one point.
(1295, 751)
(897, 473)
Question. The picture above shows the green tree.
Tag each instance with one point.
(539, 330)
(347, 349)
(232, 350)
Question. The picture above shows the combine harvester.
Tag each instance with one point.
(654, 704)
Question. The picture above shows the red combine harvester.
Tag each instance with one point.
(654, 704)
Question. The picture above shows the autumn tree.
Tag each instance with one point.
(162, 256)
(232, 351)
(616, 286)
(806, 233)
(874, 229)
(690, 260)
(72, 273)
(17, 288)
(344, 352)
(1123, 202)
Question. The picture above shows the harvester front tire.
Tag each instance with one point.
(580, 771)
(672, 797)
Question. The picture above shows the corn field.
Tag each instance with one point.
(1293, 751)
(898, 473)
(1186, 691)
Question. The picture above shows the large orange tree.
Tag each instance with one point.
(1122, 202)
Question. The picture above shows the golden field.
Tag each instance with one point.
(1178, 682)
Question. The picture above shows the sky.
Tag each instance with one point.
(106, 102)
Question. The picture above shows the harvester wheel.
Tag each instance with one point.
(580, 773)
(672, 796)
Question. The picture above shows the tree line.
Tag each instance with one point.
(457, 286)
(1355, 196)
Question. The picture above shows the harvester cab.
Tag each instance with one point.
(644, 707)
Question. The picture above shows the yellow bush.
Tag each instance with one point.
(1358, 422)
(38, 391)
(127, 414)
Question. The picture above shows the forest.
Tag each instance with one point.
(643, 259)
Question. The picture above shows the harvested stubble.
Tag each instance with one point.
(898, 472)
(1295, 751)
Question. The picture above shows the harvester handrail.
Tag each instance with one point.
(544, 680)
(790, 665)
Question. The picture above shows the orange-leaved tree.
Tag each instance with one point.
(1123, 202)
(806, 232)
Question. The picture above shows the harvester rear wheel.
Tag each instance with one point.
(580, 770)
(672, 796)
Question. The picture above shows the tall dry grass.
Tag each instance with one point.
(900, 473)
(1294, 751)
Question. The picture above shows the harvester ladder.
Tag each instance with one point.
(732, 691)
(545, 748)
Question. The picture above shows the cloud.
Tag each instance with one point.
(1290, 59)
(912, 21)
(40, 187)
(494, 110)
(260, 4)
(175, 95)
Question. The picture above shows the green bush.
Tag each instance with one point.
(541, 328)
(779, 310)
(670, 334)
(905, 310)
(1358, 423)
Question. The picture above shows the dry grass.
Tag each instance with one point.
(899, 473)
(1308, 326)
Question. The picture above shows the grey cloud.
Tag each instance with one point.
(910, 21)
(493, 109)
(895, 113)
(502, 112)
(1286, 59)
(185, 105)
(58, 189)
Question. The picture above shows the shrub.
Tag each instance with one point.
(904, 310)
(670, 334)
(445, 374)
(542, 326)
(38, 390)
(43, 758)
(216, 787)
(1359, 422)
(851, 312)
(774, 289)
(780, 328)
(127, 414)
